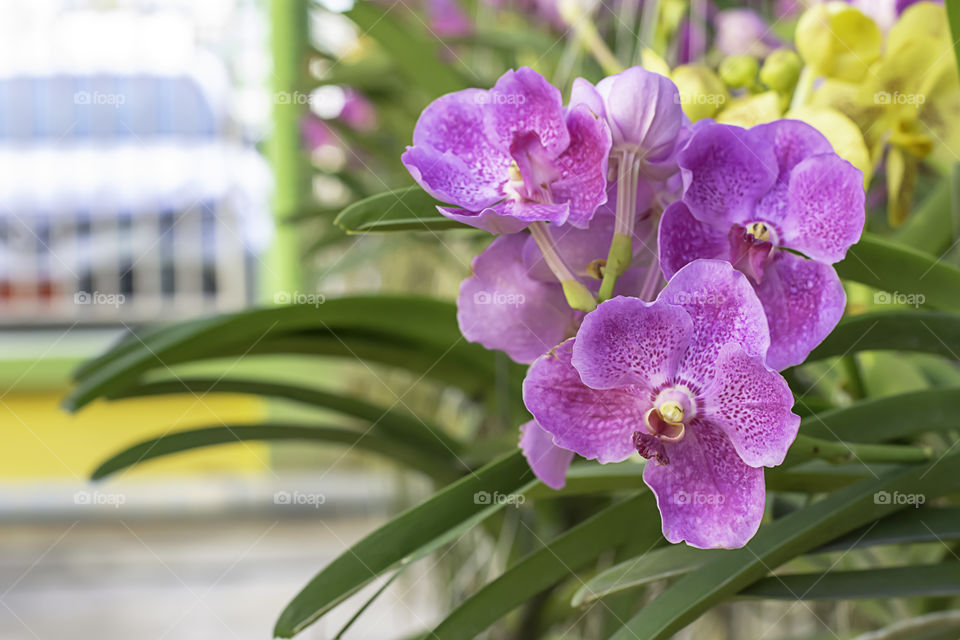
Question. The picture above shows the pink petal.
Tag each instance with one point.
(502, 307)
(804, 300)
(724, 308)
(523, 101)
(548, 461)
(751, 404)
(627, 341)
(683, 239)
(707, 496)
(596, 424)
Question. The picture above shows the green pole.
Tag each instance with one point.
(291, 167)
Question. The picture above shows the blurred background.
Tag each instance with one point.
(164, 160)
(138, 142)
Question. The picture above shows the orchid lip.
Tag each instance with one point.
(673, 408)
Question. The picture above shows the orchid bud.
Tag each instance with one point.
(739, 72)
(702, 93)
(781, 70)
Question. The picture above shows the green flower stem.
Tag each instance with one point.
(586, 32)
(621, 253)
(806, 448)
(578, 296)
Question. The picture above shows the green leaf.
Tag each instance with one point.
(953, 16)
(897, 582)
(934, 332)
(786, 538)
(667, 562)
(392, 423)
(941, 625)
(888, 418)
(894, 268)
(930, 227)
(633, 518)
(397, 328)
(407, 209)
(403, 536)
(409, 46)
(907, 526)
(171, 443)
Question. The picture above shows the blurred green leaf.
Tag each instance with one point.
(409, 532)
(894, 268)
(392, 329)
(783, 539)
(177, 442)
(896, 582)
(410, 46)
(634, 518)
(391, 422)
(936, 332)
(888, 418)
(407, 209)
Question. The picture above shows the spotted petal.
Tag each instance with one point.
(451, 158)
(596, 424)
(683, 239)
(706, 494)
(627, 341)
(724, 308)
(726, 170)
(522, 101)
(826, 211)
(751, 404)
(583, 167)
(803, 301)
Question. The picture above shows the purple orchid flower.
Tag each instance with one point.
(511, 156)
(513, 303)
(683, 382)
(753, 197)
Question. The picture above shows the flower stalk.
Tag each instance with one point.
(621, 247)
(807, 448)
(578, 296)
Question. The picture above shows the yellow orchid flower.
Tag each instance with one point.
(838, 41)
(702, 93)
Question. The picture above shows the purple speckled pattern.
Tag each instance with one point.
(596, 424)
(707, 495)
(465, 143)
(801, 197)
(548, 461)
(701, 345)
(502, 307)
(626, 341)
(752, 407)
(803, 300)
(723, 307)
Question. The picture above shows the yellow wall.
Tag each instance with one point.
(39, 440)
